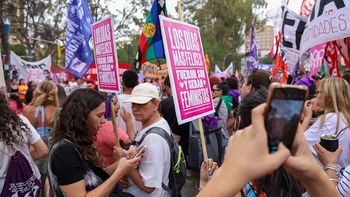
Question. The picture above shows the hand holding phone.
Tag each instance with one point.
(139, 153)
(282, 116)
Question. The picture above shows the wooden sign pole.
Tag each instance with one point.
(114, 126)
(201, 132)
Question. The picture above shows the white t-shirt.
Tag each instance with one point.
(120, 122)
(31, 138)
(314, 133)
(155, 165)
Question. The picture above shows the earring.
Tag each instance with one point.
(155, 110)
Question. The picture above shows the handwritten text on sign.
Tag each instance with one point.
(187, 71)
(105, 58)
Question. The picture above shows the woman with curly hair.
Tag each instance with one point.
(16, 133)
(74, 165)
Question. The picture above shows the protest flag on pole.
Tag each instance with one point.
(343, 46)
(331, 57)
(253, 59)
(151, 43)
(78, 53)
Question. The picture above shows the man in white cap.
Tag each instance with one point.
(152, 176)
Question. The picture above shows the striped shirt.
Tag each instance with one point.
(344, 184)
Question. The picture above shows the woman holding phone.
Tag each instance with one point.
(74, 166)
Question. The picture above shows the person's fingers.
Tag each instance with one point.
(338, 151)
(299, 136)
(308, 103)
(319, 148)
(258, 120)
(277, 158)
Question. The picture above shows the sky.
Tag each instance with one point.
(293, 5)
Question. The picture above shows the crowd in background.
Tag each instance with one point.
(65, 132)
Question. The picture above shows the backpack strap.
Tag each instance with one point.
(41, 110)
(217, 108)
(36, 117)
(170, 141)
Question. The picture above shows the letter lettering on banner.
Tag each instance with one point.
(286, 22)
(338, 3)
(328, 22)
(105, 55)
(293, 27)
(187, 70)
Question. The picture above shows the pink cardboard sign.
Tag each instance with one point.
(187, 70)
(105, 55)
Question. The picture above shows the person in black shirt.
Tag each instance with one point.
(180, 132)
(74, 166)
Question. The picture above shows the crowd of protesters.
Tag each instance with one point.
(65, 132)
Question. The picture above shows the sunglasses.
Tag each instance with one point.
(215, 90)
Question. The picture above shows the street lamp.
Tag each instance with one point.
(7, 23)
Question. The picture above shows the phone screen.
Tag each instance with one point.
(283, 116)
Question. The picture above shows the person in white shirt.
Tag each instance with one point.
(153, 171)
(16, 133)
(333, 98)
(129, 81)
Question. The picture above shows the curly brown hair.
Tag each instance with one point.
(73, 122)
(12, 128)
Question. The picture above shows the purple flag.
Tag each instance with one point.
(78, 53)
(253, 61)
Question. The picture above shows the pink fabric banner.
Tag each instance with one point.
(317, 54)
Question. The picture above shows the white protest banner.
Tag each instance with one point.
(293, 27)
(329, 20)
(187, 70)
(31, 71)
(105, 55)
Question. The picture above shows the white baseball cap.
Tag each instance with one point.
(143, 93)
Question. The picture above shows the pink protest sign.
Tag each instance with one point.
(317, 54)
(187, 70)
(105, 55)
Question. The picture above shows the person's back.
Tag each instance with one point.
(129, 81)
(41, 113)
(49, 110)
(16, 133)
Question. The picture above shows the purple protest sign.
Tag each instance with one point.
(253, 59)
(105, 55)
(187, 70)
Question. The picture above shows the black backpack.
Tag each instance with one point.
(177, 173)
(214, 140)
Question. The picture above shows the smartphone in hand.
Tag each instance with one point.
(139, 153)
(282, 115)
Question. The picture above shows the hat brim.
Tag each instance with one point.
(139, 99)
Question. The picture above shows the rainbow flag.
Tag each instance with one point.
(151, 43)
